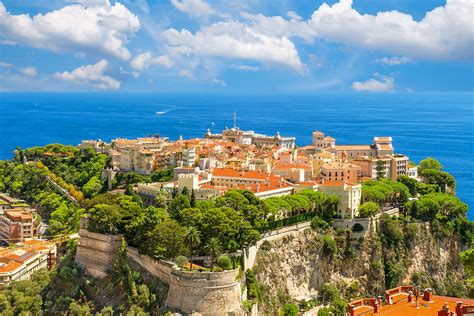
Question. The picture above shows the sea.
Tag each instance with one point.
(438, 125)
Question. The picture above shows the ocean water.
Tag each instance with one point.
(421, 124)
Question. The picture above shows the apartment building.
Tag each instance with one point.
(338, 171)
(20, 264)
(391, 166)
(17, 224)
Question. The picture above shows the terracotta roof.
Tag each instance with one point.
(403, 308)
(9, 266)
(289, 166)
(336, 184)
(234, 173)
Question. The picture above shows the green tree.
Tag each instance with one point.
(193, 198)
(213, 249)
(192, 239)
(166, 240)
(410, 183)
(368, 209)
(429, 163)
(224, 262)
(290, 310)
(380, 169)
(179, 203)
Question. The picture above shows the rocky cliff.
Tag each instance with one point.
(296, 266)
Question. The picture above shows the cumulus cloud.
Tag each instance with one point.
(381, 84)
(29, 71)
(98, 29)
(145, 60)
(90, 75)
(393, 61)
(195, 8)
(234, 40)
(446, 32)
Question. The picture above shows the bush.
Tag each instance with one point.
(253, 290)
(357, 228)
(329, 245)
(317, 223)
(181, 261)
(323, 311)
(224, 262)
(290, 310)
(266, 245)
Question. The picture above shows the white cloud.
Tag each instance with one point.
(383, 84)
(186, 73)
(446, 32)
(145, 60)
(29, 71)
(393, 61)
(90, 3)
(195, 8)
(234, 40)
(90, 75)
(218, 82)
(101, 29)
(5, 65)
(248, 68)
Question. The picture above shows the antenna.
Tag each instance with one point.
(235, 120)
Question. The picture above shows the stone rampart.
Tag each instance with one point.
(158, 268)
(206, 293)
(96, 253)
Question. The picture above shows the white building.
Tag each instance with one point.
(349, 196)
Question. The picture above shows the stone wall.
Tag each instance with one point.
(96, 252)
(158, 268)
(207, 293)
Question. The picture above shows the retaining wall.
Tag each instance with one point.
(96, 253)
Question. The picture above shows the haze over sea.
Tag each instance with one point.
(421, 124)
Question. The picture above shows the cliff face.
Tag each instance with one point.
(296, 266)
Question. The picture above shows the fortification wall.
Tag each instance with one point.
(96, 252)
(207, 293)
(158, 268)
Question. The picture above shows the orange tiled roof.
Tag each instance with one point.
(404, 308)
(234, 173)
(335, 184)
(9, 266)
(288, 166)
(353, 147)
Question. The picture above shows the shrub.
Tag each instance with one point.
(329, 293)
(181, 261)
(266, 245)
(290, 310)
(224, 262)
(357, 228)
(323, 311)
(329, 245)
(317, 223)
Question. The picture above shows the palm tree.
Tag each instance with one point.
(213, 249)
(193, 239)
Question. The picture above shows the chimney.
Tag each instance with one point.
(257, 187)
(427, 295)
(459, 311)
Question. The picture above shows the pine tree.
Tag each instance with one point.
(193, 198)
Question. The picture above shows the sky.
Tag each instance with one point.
(243, 46)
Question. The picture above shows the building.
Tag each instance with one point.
(338, 171)
(349, 196)
(240, 137)
(408, 300)
(391, 166)
(294, 172)
(20, 264)
(17, 224)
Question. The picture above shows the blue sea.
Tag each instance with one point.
(421, 124)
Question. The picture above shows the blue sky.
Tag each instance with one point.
(383, 46)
